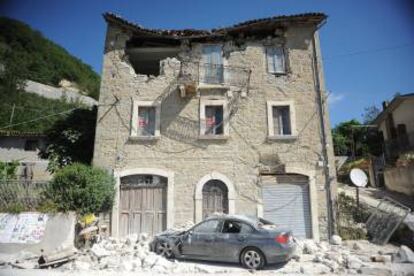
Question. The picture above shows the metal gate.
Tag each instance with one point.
(286, 203)
(215, 198)
(143, 204)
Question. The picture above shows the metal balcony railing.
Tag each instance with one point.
(208, 73)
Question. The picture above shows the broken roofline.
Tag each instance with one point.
(263, 23)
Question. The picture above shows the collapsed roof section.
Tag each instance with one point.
(146, 48)
(258, 27)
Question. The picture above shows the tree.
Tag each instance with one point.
(370, 113)
(344, 136)
(81, 188)
(352, 137)
(71, 139)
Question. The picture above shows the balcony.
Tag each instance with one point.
(215, 75)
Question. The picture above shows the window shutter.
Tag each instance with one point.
(279, 60)
(270, 60)
(210, 120)
(276, 121)
(286, 121)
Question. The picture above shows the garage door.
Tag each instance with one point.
(143, 204)
(286, 203)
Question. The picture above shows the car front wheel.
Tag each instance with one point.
(252, 258)
(164, 249)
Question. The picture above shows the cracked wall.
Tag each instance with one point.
(245, 153)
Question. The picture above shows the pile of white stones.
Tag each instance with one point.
(132, 254)
(129, 254)
(350, 257)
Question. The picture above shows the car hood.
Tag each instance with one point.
(170, 233)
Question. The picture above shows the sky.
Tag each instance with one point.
(367, 45)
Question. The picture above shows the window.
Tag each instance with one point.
(281, 120)
(214, 120)
(209, 226)
(236, 227)
(30, 145)
(145, 120)
(276, 60)
(212, 65)
(213, 114)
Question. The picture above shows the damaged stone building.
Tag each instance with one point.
(231, 120)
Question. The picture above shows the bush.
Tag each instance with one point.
(81, 188)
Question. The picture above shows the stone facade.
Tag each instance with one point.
(242, 155)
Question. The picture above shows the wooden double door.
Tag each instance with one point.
(143, 204)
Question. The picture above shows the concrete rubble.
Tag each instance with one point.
(132, 254)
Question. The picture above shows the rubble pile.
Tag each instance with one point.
(132, 255)
(350, 257)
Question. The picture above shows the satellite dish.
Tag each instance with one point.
(358, 177)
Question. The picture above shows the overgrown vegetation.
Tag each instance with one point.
(81, 188)
(351, 218)
(8, 170)
(353, 138)
(27, 54)
(29, 107)
(71, 139)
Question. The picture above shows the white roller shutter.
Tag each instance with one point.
(286, 203)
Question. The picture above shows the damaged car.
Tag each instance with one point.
(253, 243)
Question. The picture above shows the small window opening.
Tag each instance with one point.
(146, 120)
(281, 120)
(214, 120)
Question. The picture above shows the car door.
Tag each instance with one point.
(231, 238)
(199, 241)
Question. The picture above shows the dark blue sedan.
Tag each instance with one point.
(226, 238)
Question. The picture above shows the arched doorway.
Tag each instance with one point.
(142, 204)
(215, 198)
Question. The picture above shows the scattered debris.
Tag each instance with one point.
(336, 240)
(132, 255)
(405, 255)
(57, 258)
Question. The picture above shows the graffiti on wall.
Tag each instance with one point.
(27, 228)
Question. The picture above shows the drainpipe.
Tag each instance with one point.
(328, 179)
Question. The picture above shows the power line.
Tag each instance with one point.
(39, 118)
(369, 51)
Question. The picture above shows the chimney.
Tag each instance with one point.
(384, 105)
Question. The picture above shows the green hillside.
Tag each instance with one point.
(26, 54)
(29, 55)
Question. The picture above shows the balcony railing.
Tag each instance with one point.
(208, 73)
